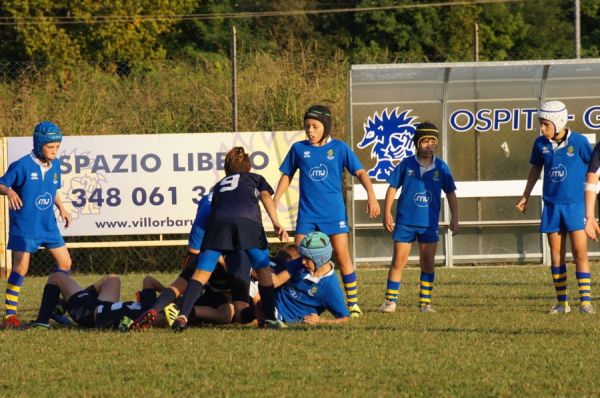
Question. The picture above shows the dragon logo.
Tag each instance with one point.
(391, 135)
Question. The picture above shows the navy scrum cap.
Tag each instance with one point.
(320, 113)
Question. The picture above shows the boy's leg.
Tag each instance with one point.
(260, 263)
(427, 262)
(109, 288)
(57, 283)
(557, 242)
(13, 288)
(342, 254)
(206, 265)
(62, 258)
(399, 260)
(582, 270)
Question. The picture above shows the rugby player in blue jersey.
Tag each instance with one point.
(321, 160)
(422, 178)
(307, 284)
(31, 186)
(563, 155)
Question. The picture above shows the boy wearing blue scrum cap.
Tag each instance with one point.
(307, 284)
(564, 156)
(31, 185)
(422, 178)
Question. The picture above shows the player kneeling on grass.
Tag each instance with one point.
(422, 178)
(31, 186)
(308, 285)
(96, 306)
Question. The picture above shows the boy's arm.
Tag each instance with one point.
(388, 218)
(280, 278)
(64, 214)
(373, 208)
(282, 186)
(534, 175)
(14, 201)
(453, 204)
(313, 319)
(269, 205)
(591, 224)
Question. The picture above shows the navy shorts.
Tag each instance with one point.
(231, 234)
(82, 307)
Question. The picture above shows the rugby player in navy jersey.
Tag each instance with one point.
(96, 306)
(235, 223)
(31, 186)
(563, 155)
(422, 178)
(321, 160)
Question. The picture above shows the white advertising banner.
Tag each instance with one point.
(151, 184)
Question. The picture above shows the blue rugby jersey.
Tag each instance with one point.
(237, 196)
(301, 296)
(420, 198)
(199, 226)
(321, 170)
(37, 190)
(564, 167)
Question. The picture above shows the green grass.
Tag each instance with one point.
(492, 336)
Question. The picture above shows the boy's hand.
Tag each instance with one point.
(522, 204)
(373, 209)
(388, 222)
(66, 217)
(14, 201)
(454, 227)
(312, 319)
(591, 228)
(282, 233)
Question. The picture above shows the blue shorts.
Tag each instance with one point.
(409, 233)
(20, 244)
(207, 260)
(562, 218)
(328, 228)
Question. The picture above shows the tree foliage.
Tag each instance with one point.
(532, 29)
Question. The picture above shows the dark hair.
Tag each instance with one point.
(237, 161)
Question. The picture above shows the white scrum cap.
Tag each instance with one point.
(555, 112)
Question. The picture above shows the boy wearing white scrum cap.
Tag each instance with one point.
(563, 155)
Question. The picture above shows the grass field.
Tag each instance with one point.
(491, 336)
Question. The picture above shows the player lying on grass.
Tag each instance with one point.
(308, 285)
(96, 306)
(225, 298)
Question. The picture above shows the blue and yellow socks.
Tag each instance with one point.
(559, 276)
(392, 290)
(426, 282)
(351, 289)
(584, 281)
(13, 288)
